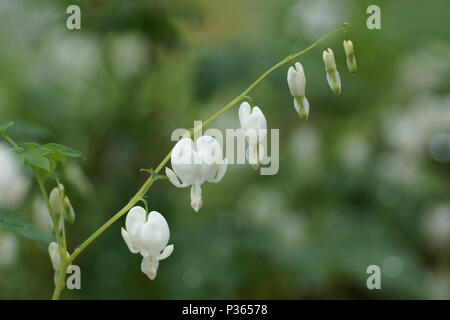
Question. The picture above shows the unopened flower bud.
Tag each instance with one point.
(56, 201)
(350, 56)
(333, 78)
(69, 213)
(296, 81)
(55, 255)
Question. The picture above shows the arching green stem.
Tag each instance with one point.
(145, 187)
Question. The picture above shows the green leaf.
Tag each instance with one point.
(63, 150)
(21, 153)
(6, 126)
(29, 145)
(154, 175)
(59, 157)
(11, 222)
(41, 173)
(36, 157)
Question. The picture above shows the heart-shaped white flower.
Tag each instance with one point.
(194, 164)
(254, 126)
(148, 236)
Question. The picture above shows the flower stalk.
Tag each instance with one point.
(65, 261)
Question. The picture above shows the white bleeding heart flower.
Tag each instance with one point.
(254, 126)
(196, 163)
(333, 78)
(148, 236)
(297, 82)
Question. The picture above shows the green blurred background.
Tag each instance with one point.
(364, 181)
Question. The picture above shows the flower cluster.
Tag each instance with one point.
(61, 205)
(61, 209)
(296, 77)
(147, 235)
(196, 162)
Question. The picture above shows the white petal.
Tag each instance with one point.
(261, 153)
(134, 222)
(56, 202)
(60, 223)
(149, 266)
(55, 277)
(328, 59)
(133, 247)
(305, 104)
(351, 64)
(348, 47)
(220, 172)
(252, 119)
(53, 250)
(196, 197)
(208, 144)
(166, 252)
(184, 161)
(296, 80)
(296, 106)
(330, 84)
(174, 179)
(338, 80)
(334, 85)
(244, 112)
(253, 155)
(210, 152)
(260, 123)
(154, 235)
(69, 212)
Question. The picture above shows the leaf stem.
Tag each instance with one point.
(10, 140)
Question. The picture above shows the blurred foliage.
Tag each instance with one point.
(364, 181)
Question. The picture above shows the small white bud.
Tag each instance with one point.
(69, 213)
(56, 201)
(297, 82)
(350, 56)
(328, 59)
(333, 78)
(55, 255)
